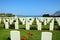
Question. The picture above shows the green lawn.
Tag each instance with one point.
(5, 33)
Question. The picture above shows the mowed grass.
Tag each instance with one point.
(5, 33)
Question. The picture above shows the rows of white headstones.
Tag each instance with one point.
(15, 35)
(29, 20)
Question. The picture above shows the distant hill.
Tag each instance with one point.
(6, 15)
(57, 13)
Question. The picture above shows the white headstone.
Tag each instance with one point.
(46, 36)
(39, 21)
(58, 20)
(6, 23)
(0, 20)
(29, 21)
(11, 20)
(15, 35)
(22, 19)
(27, 26)
(47, 20)
(16, 24)
(52, 25)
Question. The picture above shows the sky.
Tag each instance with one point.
(29, 7)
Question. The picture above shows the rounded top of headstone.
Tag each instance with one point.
(57, 13)
(47, 33)
(14, 31)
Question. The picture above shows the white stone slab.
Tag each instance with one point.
(22, 19)
(46, 36)
(16, 24)
(0, 20)
(29, 21)
(52, 25)
(58, 20)
(6, 25)
(15, 35)
(39, 23)
(39, 26)
(11, 20)
(27, 26)
(47, 20)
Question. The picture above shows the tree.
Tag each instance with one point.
(46, 15)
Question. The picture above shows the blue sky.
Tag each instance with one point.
(29, 7)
